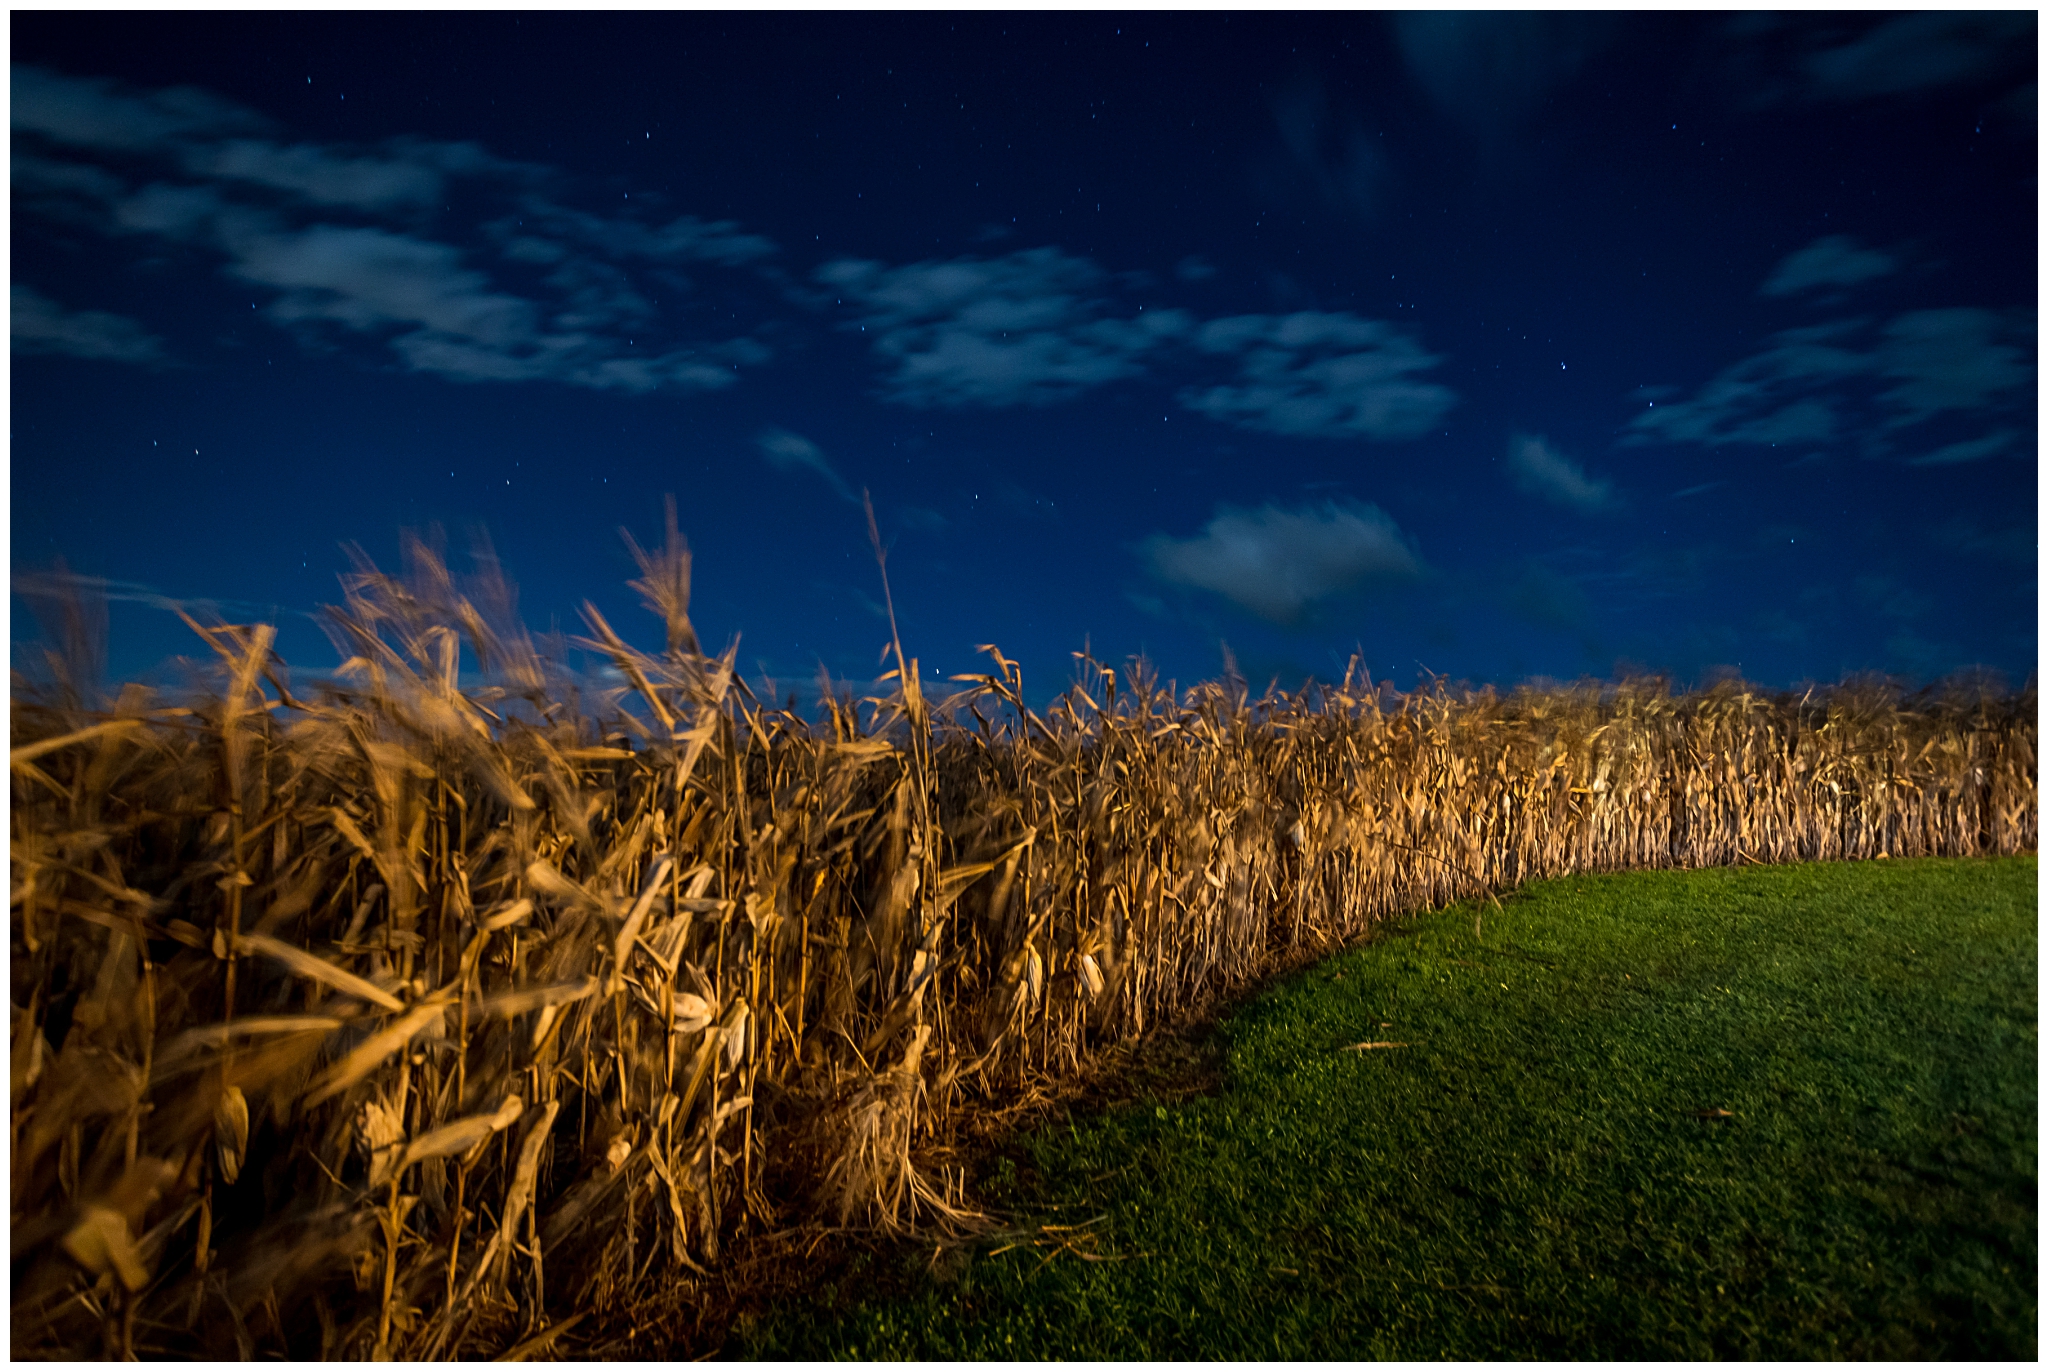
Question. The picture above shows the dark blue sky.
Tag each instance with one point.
(1498, 345)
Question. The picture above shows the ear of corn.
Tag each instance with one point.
(413, 1018)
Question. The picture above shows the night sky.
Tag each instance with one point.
(1488, 346)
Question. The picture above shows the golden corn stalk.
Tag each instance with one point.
(417, 1018)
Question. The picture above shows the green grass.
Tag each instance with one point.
(1530, 1176)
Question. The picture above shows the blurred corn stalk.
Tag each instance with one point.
(417, 1016)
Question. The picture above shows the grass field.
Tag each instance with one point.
(1778, 1112)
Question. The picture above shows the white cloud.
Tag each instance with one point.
(1541, 470)
(224, 185)
(1761, 398)
(1951, 360)
(682, 239)
(199, 131)
(1147, 604)
(319, 176)
(39, 324)
(190, 213)
(444, 317)
(93, 114)
(792, 452)
(574, 360)
(1799, 388)
(1026, 329)
(64, 190)
(594, 294)
(1276, 562)
(369, 278)
(1835, 260)
(1321, 375)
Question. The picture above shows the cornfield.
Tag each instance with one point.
(429, 1014)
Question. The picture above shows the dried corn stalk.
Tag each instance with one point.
(418, 1012)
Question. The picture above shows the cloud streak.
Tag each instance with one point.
(2017, 544)
(94, 114)
(546, 231)
(1492, 72)
(341, 239)
(1317, 375)
(792, 452)
(1941, 360)
(1971, 450)
(1030, 328)
(1538, 469)
(1277, 562)
(39, 324)
(1915, 52)
(1804, 384)
(1832, 261)
(1334, 151)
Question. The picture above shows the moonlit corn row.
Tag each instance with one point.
(426, 1014)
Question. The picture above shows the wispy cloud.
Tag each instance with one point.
(558, 229)
(95, 114)
(62, 193)
(1768, 60)
(321, 177)
(1332, 148)
(1765, 398)
(215, 139)
(1540, 470)
(1971, 450)
(40, 325)
(1805, 385)
(2018, 544)
(1941, 360)
(792, 452)
(1835, 260)
(1031, 328)
(1276, 562)
(921, 519)
(1920, 51)
(370, 278)
(343, 238)
(1037, 327)
(1492, 71)
(1320, 375)
(442, 315)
